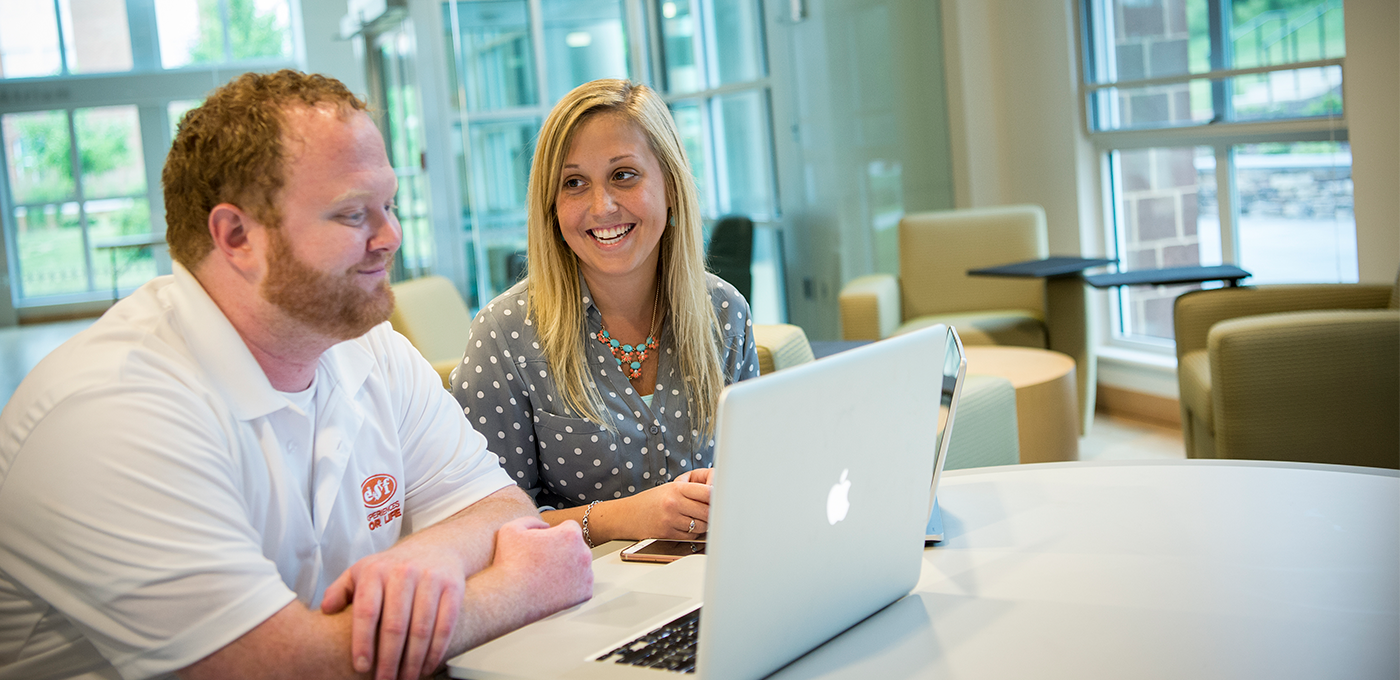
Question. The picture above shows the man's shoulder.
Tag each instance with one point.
(141, 331)
(136, 348)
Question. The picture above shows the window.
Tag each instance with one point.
(1224, 142)
(93, 91)
(511, 60)
(714, 75)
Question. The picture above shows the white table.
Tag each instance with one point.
(1191, 569)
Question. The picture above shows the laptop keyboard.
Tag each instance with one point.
(671, 647)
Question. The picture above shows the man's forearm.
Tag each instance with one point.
(537, 571)
(474, 527)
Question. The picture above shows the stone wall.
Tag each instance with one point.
(1159, 206)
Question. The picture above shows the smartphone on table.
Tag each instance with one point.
(661, 550)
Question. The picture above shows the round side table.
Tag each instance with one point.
(1047, 409)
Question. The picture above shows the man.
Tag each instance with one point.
(241, 470)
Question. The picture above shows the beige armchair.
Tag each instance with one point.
(779, 346)
(936, 249)
(431, 314)
(1296, 373)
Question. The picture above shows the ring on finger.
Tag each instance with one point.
(691, 529)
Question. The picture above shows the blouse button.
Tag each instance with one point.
(655, 429)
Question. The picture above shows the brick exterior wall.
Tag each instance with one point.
(1159, 204)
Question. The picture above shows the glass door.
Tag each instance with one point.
(395, 98)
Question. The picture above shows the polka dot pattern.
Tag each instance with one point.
(505, 376)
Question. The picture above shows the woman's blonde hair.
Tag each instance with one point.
(553, 291)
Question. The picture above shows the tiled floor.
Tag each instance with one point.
(1117, 438)
(1112, 438)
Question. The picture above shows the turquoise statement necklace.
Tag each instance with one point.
(629, 357)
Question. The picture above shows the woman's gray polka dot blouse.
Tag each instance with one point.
(507, 391)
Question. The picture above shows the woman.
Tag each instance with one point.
(596, 378)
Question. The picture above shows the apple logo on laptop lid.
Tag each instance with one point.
(837, 503)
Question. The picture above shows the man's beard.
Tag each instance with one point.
(331, 305)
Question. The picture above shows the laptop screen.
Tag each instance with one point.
(954, 370)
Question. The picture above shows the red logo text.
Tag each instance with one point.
(377, 490)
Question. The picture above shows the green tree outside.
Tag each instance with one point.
(252, 34)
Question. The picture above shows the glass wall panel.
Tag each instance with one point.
(109, 219)
(258, 29)
(501, 152)
(186, 33)
(1276, 95)
(95, 36)
(1296, 223)
(109, 152)
(28, 39)
(1282, 95)
(744, 156)
(497, 60)
(50, 241)
(402, 122)
(584, 40)
(738, 41)
(691, 128)
(679, 46)
(1168, 38)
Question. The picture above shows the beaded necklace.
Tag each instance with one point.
(630, 358)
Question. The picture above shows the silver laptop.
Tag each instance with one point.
(819, 504)
(954, 371)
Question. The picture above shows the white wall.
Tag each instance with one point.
(1372, 99)
(1016, 124)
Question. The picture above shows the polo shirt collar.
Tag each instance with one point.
(230, 367)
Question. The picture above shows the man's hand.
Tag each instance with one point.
(550, 566)
(410, 596)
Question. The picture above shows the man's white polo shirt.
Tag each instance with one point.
(148, 519)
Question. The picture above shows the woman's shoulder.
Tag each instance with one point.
(507, 309)
(730, 306)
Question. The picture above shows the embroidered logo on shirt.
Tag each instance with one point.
(376, 491)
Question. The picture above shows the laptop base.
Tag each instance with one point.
(933, 533)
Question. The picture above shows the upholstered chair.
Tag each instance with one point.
(936, 250)
(1291, 372)
(431, 314)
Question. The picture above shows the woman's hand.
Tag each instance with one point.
(678, 509)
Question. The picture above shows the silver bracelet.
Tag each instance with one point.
(586, 538)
